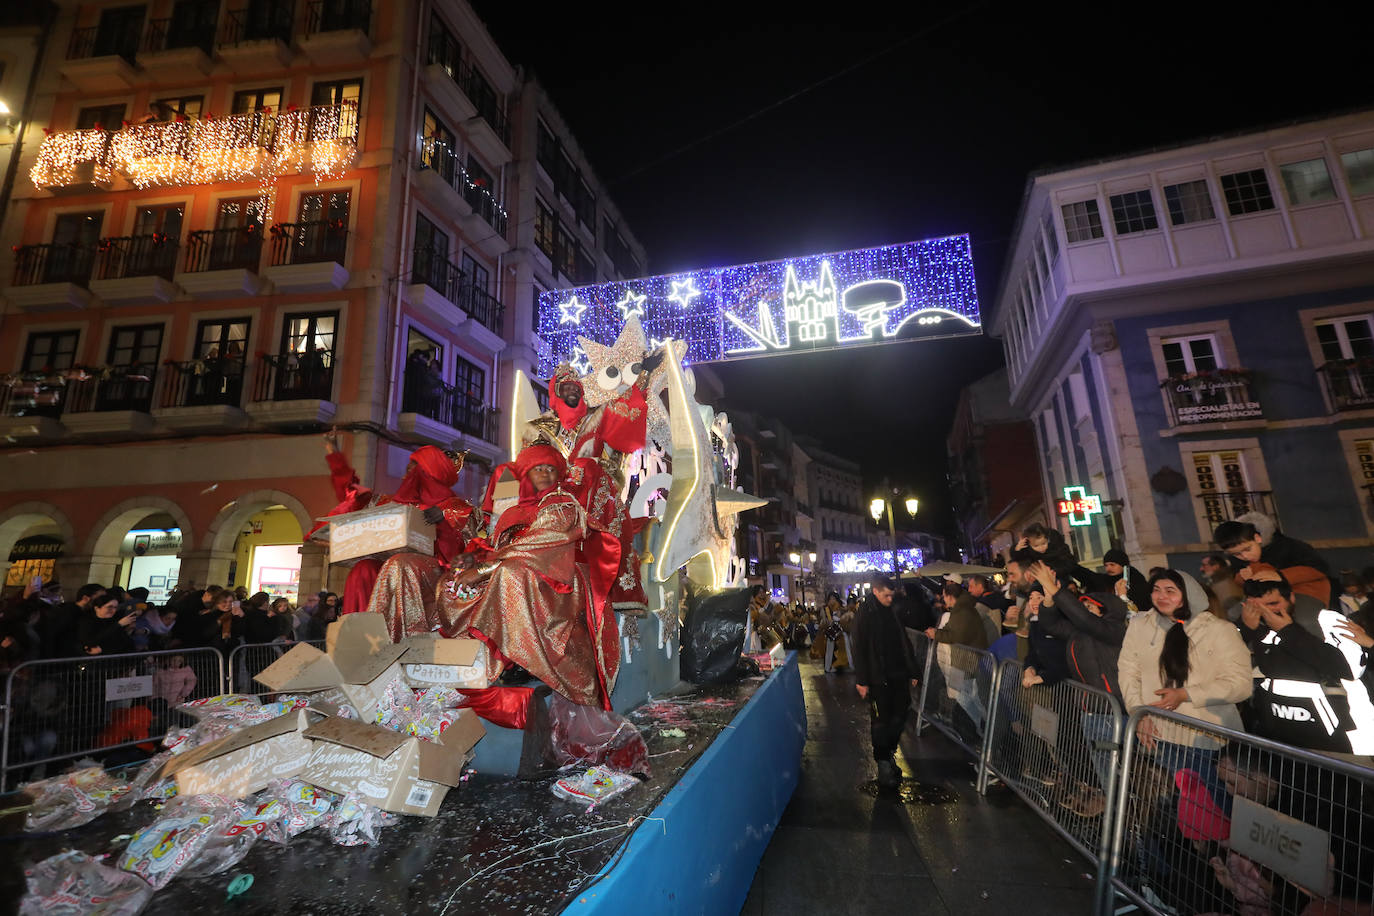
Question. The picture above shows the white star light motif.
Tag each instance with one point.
(632, 306)
(579, 361)
(571, 311)
(684, 291)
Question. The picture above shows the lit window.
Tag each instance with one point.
(1307, 182)
(1082, 222)
(1247, 192)
(1189, 202)
(1359, 170)
(1133, 211)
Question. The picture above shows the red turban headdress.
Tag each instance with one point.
(568, 416)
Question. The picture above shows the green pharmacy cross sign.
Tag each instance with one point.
(1080, 506)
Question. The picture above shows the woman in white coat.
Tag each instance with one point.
(1180, 657)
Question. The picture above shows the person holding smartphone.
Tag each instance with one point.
(105, 631)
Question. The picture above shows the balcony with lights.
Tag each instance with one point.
(102, 59)
(174, 49)
(293, 389)
(136, 270)
(202, 395)
(309, 257)
(440, 178)
(337, 32)
(74, 161)
(257, 39)
(486, 224)
(113, 400)
(223, 263)
(51, 277)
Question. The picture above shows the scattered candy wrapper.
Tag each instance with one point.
(228, 846)
(303, 806)
(74, 884)
(159, 852)
(354, 823)
(72, 799)
(226, 705)
(593, 785)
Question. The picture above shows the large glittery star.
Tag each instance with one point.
(684, 291)
(632, 306)
(570, 312)
(658, 383)
(628, 349)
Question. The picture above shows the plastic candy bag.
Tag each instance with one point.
(593, 786)
(354, 823)
(74, 884)
(159, 852)
(303, 806)
(228, 846)
(226, 705)
(72, 799)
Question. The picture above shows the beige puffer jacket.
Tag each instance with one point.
(1219, 673)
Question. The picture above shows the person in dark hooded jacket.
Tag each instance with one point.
(1117, 566)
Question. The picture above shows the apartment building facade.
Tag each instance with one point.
(1191, 333)
(238, 225)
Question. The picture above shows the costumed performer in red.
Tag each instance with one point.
(528, 599)
(406, 578)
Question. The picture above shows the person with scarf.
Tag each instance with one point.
(428, 483)
(528, 597)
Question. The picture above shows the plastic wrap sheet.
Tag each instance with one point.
(354, 823)
(163, 849)
(72, 799)
(74, 884)
(590, 736)
(251, 820)
(593, 786)
(303, 806)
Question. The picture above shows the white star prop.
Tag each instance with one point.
(579, 361)
(684, 291)
(571, 311)
(632, 306)
(628, 349)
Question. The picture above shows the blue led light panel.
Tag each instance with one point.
(818, 302)
(909, 558)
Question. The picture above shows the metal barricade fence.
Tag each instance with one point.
(956, 691)
(1211, 820)
(1057, 748)
(247, 660)
(65, 708)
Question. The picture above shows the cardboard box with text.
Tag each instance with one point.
(433, 662)
(379, 531)
(245, 761)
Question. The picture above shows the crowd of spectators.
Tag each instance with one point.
(103, 667)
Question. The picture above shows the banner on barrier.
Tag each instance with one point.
(128, 688)
(1295, 850)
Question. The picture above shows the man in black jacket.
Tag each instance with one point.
(884, 672)
(58, 625)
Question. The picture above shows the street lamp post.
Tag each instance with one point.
(879, 505)
(798, 559)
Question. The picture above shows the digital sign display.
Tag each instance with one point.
(909, 558)
(1079, 506)
(857, 298)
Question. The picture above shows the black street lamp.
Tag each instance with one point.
(879, 505)
(797, 558)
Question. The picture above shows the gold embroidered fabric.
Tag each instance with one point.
(404, 594)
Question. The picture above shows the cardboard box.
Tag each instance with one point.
(388, 769)
(379, 531)
(433, 662)
(245, 761)
(360, 662)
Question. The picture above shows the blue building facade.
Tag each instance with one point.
(1191, 332)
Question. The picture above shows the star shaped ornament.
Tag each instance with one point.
(632, 306)
(659, 430)
(608, 366)
(684, 291)
(570, 312)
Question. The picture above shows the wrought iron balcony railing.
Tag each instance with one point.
(118, 388)
(483, 307)
(169, 35)
(224, 249)
(338, 16)
(431, 268)
(95, 41)
(32, 396)
(1349, 383)
(312, 242)
(203, 382)
(259, 22)
(53, 263)
(1209, 397)
(127, 256)
(1223, 506)
(428, 395)
(294, 376)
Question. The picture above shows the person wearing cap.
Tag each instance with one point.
(1180, 658)
(1126, 582)
(1309, 693)
(884, 672)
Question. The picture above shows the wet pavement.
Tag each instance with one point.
(935, 848)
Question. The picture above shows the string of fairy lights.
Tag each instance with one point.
(262, 145)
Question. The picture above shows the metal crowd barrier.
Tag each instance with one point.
(247, 660)
(956, 691)
(1210, 820)
(1057, 748)
(66, 708)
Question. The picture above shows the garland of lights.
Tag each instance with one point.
(429, 146)
(187, 151)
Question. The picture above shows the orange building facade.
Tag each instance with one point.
(234, 228)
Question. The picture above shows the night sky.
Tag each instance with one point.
(728, 137)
